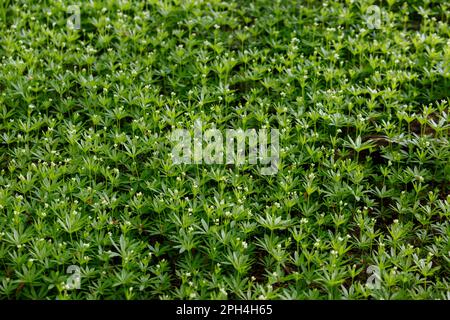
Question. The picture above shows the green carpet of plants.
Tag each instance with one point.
(87, 179)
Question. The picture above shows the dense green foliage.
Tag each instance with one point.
(87, 178)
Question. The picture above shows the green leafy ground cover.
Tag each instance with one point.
(87, 179)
